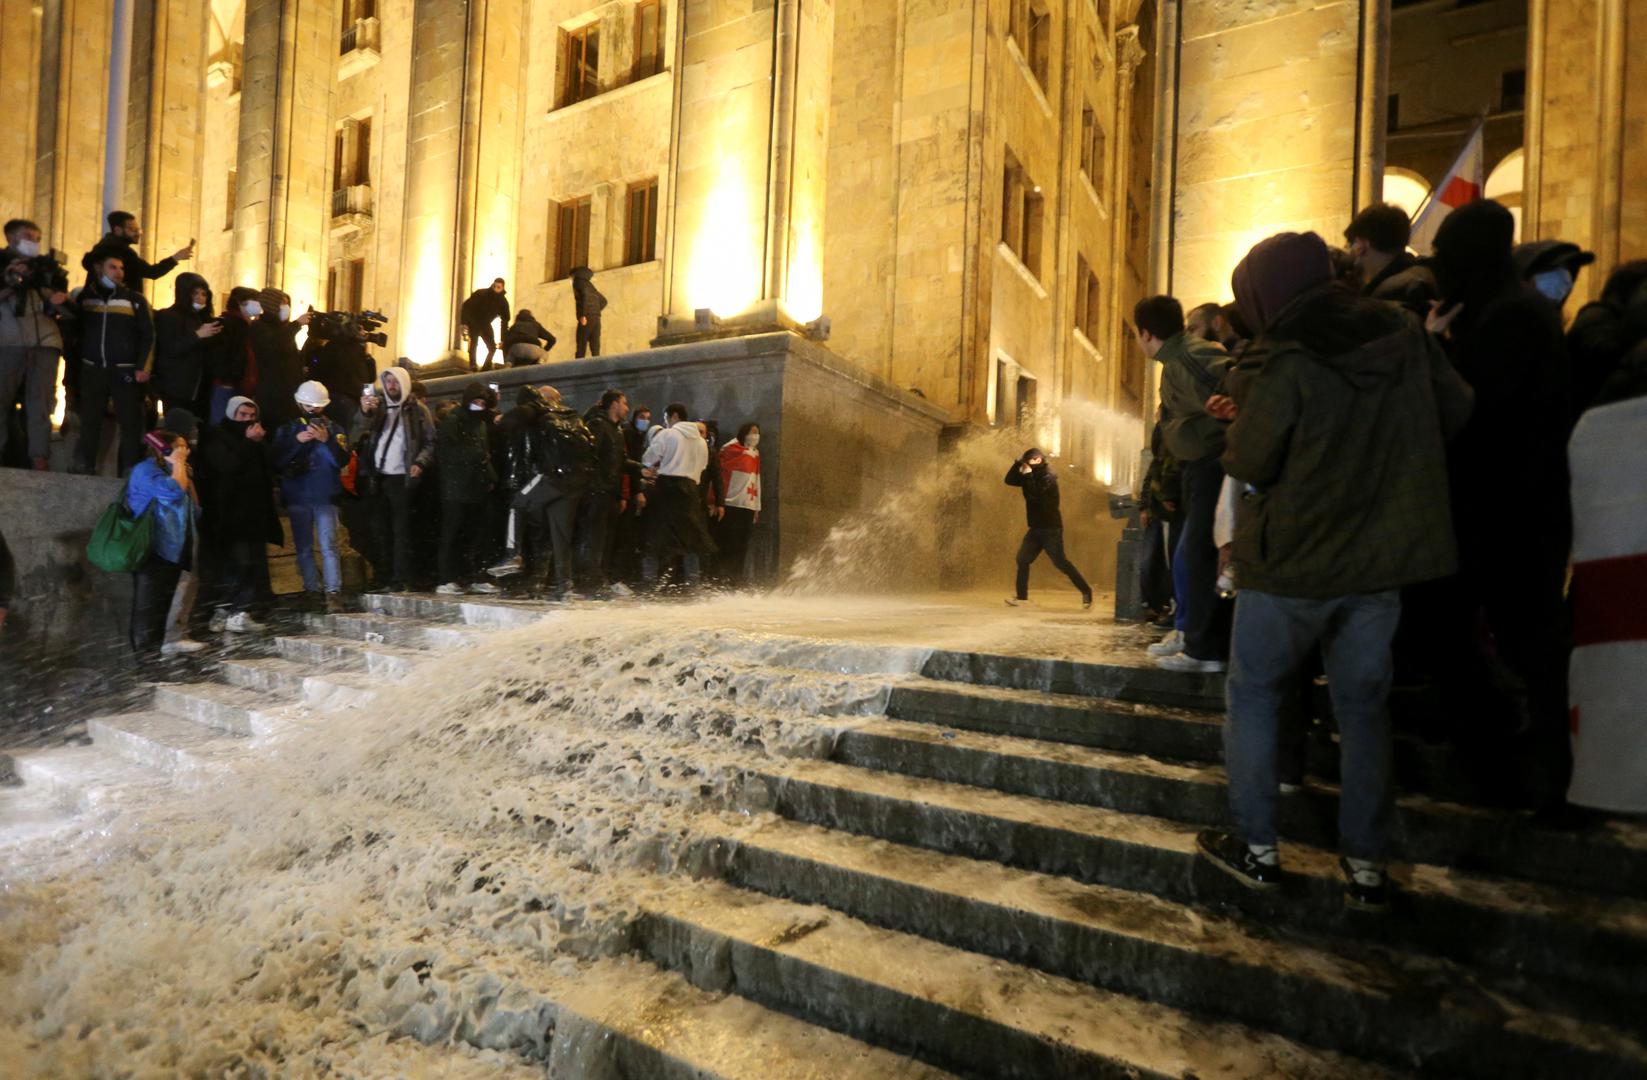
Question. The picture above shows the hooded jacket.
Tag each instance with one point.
(116, 329)
(463, 453)
(236, 486)
(1405, 281)
(1191, 371)
(484, 305)
(402, 424)
(279, 367)
(1341, 433)
(137, 268)
(180, 357)
(587, 300)
(611, 454)
(1040, 489)
(526, 330)
(519, 428)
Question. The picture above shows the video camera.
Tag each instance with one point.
(39, 272)
(358, 326)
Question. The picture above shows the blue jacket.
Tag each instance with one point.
(310, 472)
(174, 511)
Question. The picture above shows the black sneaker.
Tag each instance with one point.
(1086, 601)
(1366, 889)
(1237, 860)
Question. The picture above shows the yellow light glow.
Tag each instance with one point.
(59, 401)
(725, 273)
(423, 326)
(805, 287)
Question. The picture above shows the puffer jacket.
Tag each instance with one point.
(116, 329)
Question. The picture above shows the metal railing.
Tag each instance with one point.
(352, 199)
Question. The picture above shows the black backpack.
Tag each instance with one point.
(566, 450)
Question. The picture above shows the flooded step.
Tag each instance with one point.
(1512, 925)
(234, 709)
(165, 742)
(1426, 830)
(398, 630)
(1407, 1011)
(280, 677)
(978, 1015)
(1138, 681)
(85, 778)
(493, 612)
(1160, 731)
(389, 661)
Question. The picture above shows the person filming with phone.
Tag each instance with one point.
(310, 453)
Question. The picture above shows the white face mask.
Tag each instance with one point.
(752, 440)
(1554, 284)
(28, 248)
(477, 406)
(198, 307)
(251, 309)
(285, 313)
(108, 282)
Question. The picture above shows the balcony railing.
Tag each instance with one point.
(354, 200)
(362, 34)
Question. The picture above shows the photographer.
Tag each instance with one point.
(336, 357)
(115, 356)
(122, 237)
(31, 297)
(309, 455)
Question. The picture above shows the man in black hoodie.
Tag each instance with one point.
(477, 313)
(122, 237)
(237, 514)
(1031, 475)
(604, 503)
(589, 303)
(185, 335)
(279, 360)
(116, 358)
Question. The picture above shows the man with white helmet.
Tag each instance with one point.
(310, 454)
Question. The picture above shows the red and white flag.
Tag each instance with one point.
(1461, 185)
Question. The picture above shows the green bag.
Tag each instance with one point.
(120, 543)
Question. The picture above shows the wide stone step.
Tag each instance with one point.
(1407, 1011)
(86, 778)
(398, 630)
(493, 612)
(234, 709)
(1610, 859)
(975, 1014)
(1513, 925)
(1160, 731)
(1138, 680)
(392, 662)
(280, 677)
(165, 742)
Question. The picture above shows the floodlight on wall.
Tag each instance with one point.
(817, 329)
(704, 319)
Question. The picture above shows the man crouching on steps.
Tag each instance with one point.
(1031, 475)
(1339, 441)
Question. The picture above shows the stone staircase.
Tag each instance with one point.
(998, 878)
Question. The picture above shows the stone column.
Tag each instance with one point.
(71, 118)
(749, 139)
(20, 78)
(1129, 53)
(282, 208)
(164, 125)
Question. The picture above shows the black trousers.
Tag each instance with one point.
(732, 537)
(392, 527)
(561, 517)
(239, 575)
(589, 338)
(596, 513)
(463, 532)
(478, 333)
(98, 387)
(1206, 635)
(1050, 541)
(153, 585)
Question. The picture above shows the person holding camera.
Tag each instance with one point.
(32, 296)
(310, 454)
(115, 358)
(185, 339)
(122, 237)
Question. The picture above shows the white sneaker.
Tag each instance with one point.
(1184, 662)
(506, 567)
(242, 623)
(1171, 645)
(485, 588)
(451, 588)
(1013, 601)
(181, 646)
(220, 621)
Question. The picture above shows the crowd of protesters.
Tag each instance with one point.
(1360, 479)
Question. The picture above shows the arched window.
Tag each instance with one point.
(1405, 188)
(1504, 184)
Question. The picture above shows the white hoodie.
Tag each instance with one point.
(679, 450)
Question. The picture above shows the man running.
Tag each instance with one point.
(1031, 475)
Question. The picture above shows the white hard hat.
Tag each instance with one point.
(313, 394)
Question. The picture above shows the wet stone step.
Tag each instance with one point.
(482, 611)
(1426, 830)
(388, 661)
(232, 708)
(164, 742)
(290, 679)
(975, 1014)
(1512, 925)
(1141, 681)
(394, 630)
(1407, 1011)
(85, 778)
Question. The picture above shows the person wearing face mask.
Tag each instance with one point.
(1039, 484)
(399, 446)
(740, 469)
(233, 368)
(675, 521)
(161, 484)
(463, 465)
(31, 299)
(185, 337)
(237, 515)
(1552, 267)
(115, 358)
(279, 360)
(122, 237)
(309, 456)
(627, 531)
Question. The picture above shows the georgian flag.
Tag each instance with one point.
(1461, 185)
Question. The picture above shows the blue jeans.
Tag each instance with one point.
(309, 522)
(1272, 639)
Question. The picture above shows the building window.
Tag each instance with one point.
(346, 285)
(1087, 308)
(230, 194)
(580, 64)
(351, 38)
(648, 39)
(1512, 90)
(1093, 146)
(640, 243)
(1031, 28)
(571, 237)
(1021, 214)
(1392, 112)
(352, 153)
